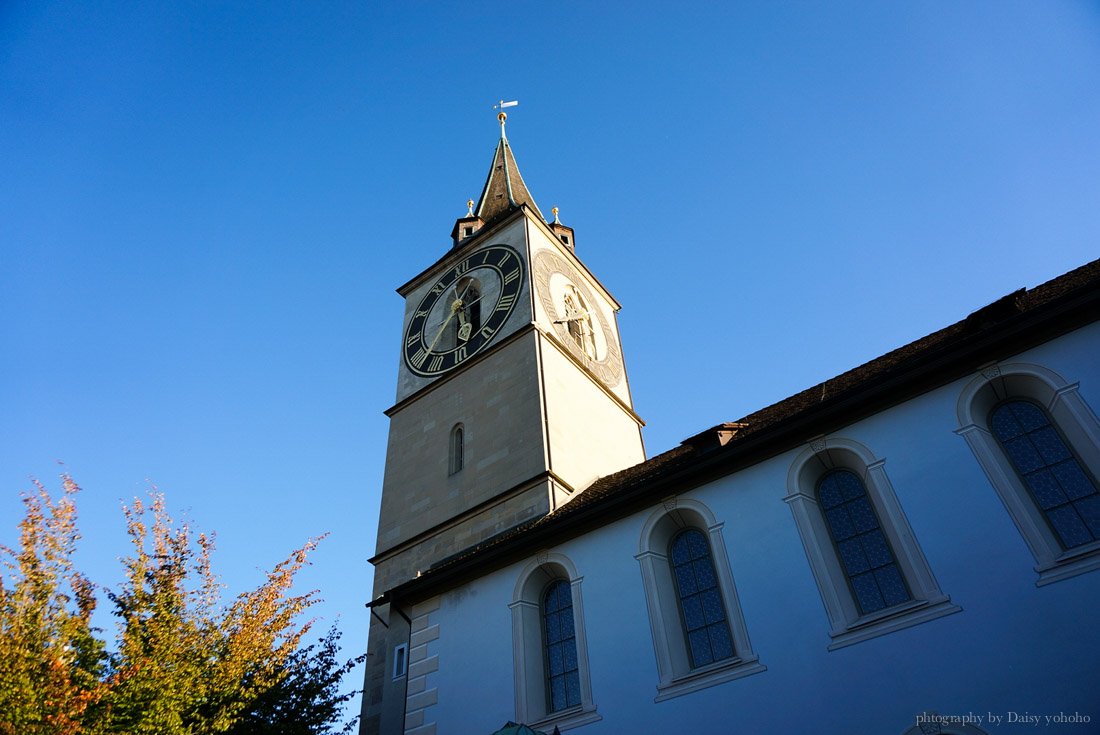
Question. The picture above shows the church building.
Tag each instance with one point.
(909, 547)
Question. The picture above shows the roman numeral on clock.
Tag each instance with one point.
(505, 302)
(512, 276)
(418, 359)
(436, 363)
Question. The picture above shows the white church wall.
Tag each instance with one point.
(1014, 646)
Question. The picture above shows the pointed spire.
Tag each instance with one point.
(504, 188)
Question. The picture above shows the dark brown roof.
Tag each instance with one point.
(504, 187)
(1009, 325)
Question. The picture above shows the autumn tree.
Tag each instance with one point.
(308, 699)
(51, 663)
(186, 662)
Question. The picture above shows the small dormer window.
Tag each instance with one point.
(467, 231)
(564, 238)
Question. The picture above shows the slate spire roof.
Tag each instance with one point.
(504, 188)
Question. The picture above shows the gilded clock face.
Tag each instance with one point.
(578, 321)
(463, 310)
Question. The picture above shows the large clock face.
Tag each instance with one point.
(577, 319)
(463, 311)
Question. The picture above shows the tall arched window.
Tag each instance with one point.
(553, 686)
(699, 633)
(456, 449)
(869, 563)
(1038, 441)
(1049, 469)
(563, 686)
(701, 609)
(869, 567)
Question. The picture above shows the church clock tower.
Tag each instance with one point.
(512, 399)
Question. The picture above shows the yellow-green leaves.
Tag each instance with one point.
(187, 661)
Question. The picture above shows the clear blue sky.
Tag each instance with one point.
(205, 209)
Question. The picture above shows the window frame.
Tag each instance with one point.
(847, 625)
(456, 449)
(1066, 445)
(1072, 418)
(836, 543)
(528, 651)
(400, 660)
(544, 614)
(675, 674)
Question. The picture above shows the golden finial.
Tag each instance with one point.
(470, 207)
(554, 211)
(502, 116)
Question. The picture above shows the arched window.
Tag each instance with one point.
(553, 687)
(699, 633)
(701, 609)
(563, 685)
(456, 449)
(869, 562)
(1050, 471)
(1038, 442)
(869, 568)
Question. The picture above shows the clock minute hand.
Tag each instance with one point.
(443, 326)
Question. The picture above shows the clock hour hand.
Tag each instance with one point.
(464, 326)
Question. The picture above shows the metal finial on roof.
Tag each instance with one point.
(504, 189)
(554, 211)
(470, 207)
(502, 116)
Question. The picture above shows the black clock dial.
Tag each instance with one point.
(463, 310)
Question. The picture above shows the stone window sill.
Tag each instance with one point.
(896, 618)
(567, 719)
(708, 676)
(1073, 562)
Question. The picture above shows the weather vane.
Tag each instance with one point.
(503, 116)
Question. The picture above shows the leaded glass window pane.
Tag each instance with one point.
(865, 554)
(701, 606)
(560, 646)
(1050, 471)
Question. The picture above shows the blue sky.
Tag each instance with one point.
(205, 209)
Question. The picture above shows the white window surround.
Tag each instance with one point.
(847, 625)
(675, 675)
(1078, 424)
(528, 651)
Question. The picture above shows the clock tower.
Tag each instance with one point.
(511, 400)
